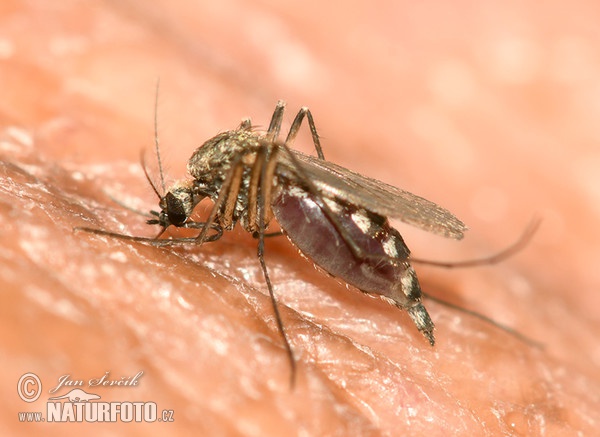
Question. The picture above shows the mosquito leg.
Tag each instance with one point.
(160, 242)
(305, 112)
(525, 339)
(253, 187)
(275, 125)
(256, 235)
(497, 257)
(280, 327)
(266, 181)
(222, 198)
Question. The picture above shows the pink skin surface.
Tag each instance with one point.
(490, 111)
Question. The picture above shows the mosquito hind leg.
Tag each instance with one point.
(305, 112)
(275, 124)
(275, 127)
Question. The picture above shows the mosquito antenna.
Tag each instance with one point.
(486, 319)
(148, 178)
(156, 142)
(517, 246)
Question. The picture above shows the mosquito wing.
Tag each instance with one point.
(335, 181)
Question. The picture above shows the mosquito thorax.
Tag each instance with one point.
(211, 164)
(215, 156)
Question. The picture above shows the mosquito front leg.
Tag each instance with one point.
(223, 198)
(161, 242)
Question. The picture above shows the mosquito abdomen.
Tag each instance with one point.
(382, 268)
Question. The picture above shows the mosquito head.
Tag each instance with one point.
(176, 206)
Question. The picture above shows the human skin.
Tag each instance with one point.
(485, 111)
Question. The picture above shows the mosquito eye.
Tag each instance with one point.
(175, 210)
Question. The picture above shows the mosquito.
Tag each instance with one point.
(337, 218)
